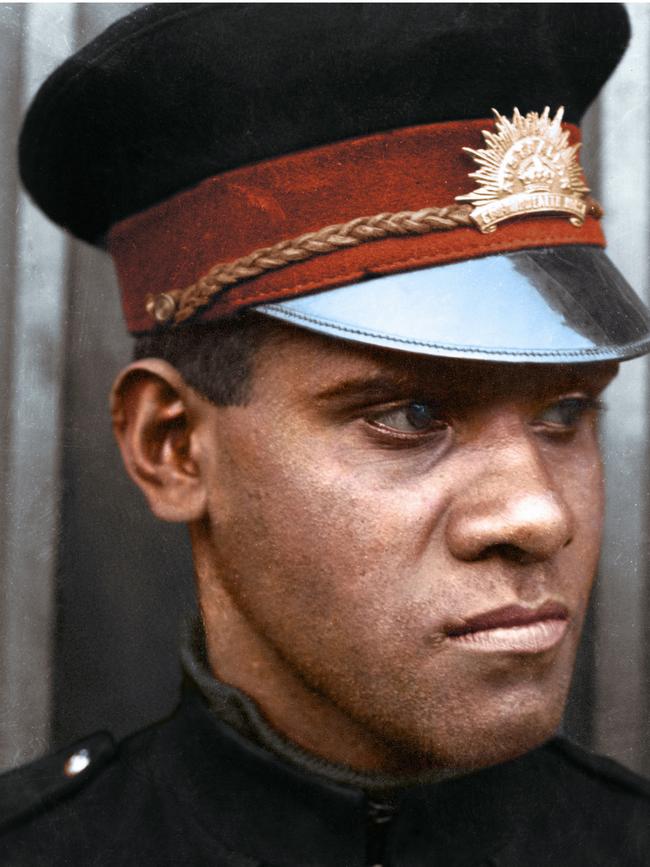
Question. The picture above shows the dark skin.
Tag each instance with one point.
(354, 516)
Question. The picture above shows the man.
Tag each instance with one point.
(367, 376)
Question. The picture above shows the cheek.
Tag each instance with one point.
(314, 536)
(579, 480)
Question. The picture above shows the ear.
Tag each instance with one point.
(151, 407)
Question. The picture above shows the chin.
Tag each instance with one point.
(487, 740)
(471, 736)
(493, 748)
(506, 717)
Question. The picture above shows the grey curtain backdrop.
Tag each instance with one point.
(92, 589)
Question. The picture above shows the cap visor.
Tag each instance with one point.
(552, 304)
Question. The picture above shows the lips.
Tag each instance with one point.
(514, 629)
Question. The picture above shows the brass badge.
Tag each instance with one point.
(528, 167)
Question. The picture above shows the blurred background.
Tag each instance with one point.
(93, 590)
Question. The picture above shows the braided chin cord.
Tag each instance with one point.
(179, 305)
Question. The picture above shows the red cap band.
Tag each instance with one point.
(173, 244)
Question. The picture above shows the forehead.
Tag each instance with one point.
(299, 361)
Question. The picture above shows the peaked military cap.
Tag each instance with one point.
(339, 167)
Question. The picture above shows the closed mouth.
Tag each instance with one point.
(514, 629)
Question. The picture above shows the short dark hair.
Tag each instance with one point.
(214, 358)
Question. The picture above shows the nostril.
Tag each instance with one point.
(568, 542)
(508, 552)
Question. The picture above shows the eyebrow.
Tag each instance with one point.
(384, 385)
(364, 387)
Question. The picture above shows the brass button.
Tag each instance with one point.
(76, 763)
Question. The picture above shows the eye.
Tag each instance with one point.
(411, 418)
(565, 414)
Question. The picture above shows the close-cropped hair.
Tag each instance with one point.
(214, 358)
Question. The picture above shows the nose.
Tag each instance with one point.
(511, 509)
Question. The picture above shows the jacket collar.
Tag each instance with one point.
(261, 806)
(240, 712)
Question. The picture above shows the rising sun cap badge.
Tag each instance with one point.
(527, 168)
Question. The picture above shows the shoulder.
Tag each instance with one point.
(128, 804)
(586, 809)
(600, 772)
(42, 783)
(62, 807)
(100, 803)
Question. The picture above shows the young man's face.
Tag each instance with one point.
(414, 538)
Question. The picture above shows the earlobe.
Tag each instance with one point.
(156, 434)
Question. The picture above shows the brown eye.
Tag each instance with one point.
(413, 418)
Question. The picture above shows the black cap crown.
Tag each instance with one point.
(175, 93)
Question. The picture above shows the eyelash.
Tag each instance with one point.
(582, 404)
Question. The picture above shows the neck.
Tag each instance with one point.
(239, 656)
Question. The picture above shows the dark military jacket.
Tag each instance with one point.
(192, 791)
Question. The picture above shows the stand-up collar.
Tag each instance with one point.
(274, 813)
(238, 710)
